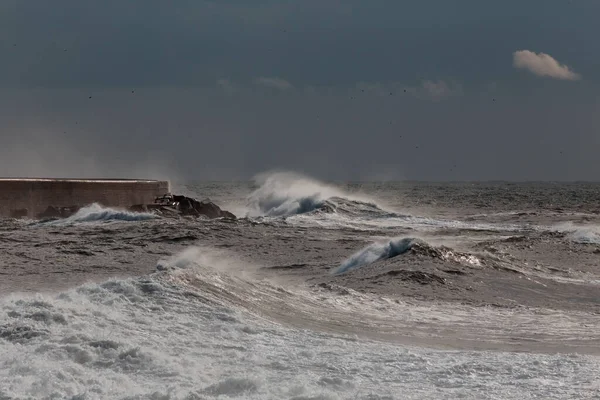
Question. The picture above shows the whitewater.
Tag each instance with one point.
(318, 291)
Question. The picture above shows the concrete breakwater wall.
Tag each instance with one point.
(31, 197)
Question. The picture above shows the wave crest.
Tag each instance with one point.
(398, 246)
(285, 194)
(584, 234)
(97, 213)
(375, 252)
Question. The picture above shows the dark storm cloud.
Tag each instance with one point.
(339, 89)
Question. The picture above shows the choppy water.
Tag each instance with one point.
(252, 309)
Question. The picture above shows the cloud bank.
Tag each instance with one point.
(542, 64)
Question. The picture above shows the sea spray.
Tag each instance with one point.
(207, 259)
(284, 194)
(97, 213)
(584, 234)
(119, 340)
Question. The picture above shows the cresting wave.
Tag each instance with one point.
(584, 234)
(398, 246)
(375, 252)
(97, 213)
(303, 200)
(285, 194)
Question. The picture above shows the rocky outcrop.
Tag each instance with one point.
(189, 206)
(177, 205)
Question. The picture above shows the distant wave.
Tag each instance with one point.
(375, 252)
(284, 194)
(584, 234)
(97, 213)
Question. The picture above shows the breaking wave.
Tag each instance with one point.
(583, 234)
(303, 200)
(375, 252)
(184, 333)
(285, 194)
(586, 236)
(97, 213)
(398, 246)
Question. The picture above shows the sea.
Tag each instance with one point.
(319, 290)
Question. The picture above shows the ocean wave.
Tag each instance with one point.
(375, 252)
(97, 213)
(305, 201)
(163, 336)
(584, 234)
(285, 194)
(398, 246)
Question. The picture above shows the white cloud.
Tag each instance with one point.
(275, 83)
(542, 64)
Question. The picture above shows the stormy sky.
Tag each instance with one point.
(342, 90)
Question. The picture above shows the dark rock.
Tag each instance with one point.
(176, 205)
(189, 206)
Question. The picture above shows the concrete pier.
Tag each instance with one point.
(29, 197)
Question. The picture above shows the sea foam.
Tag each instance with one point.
(97, 213)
